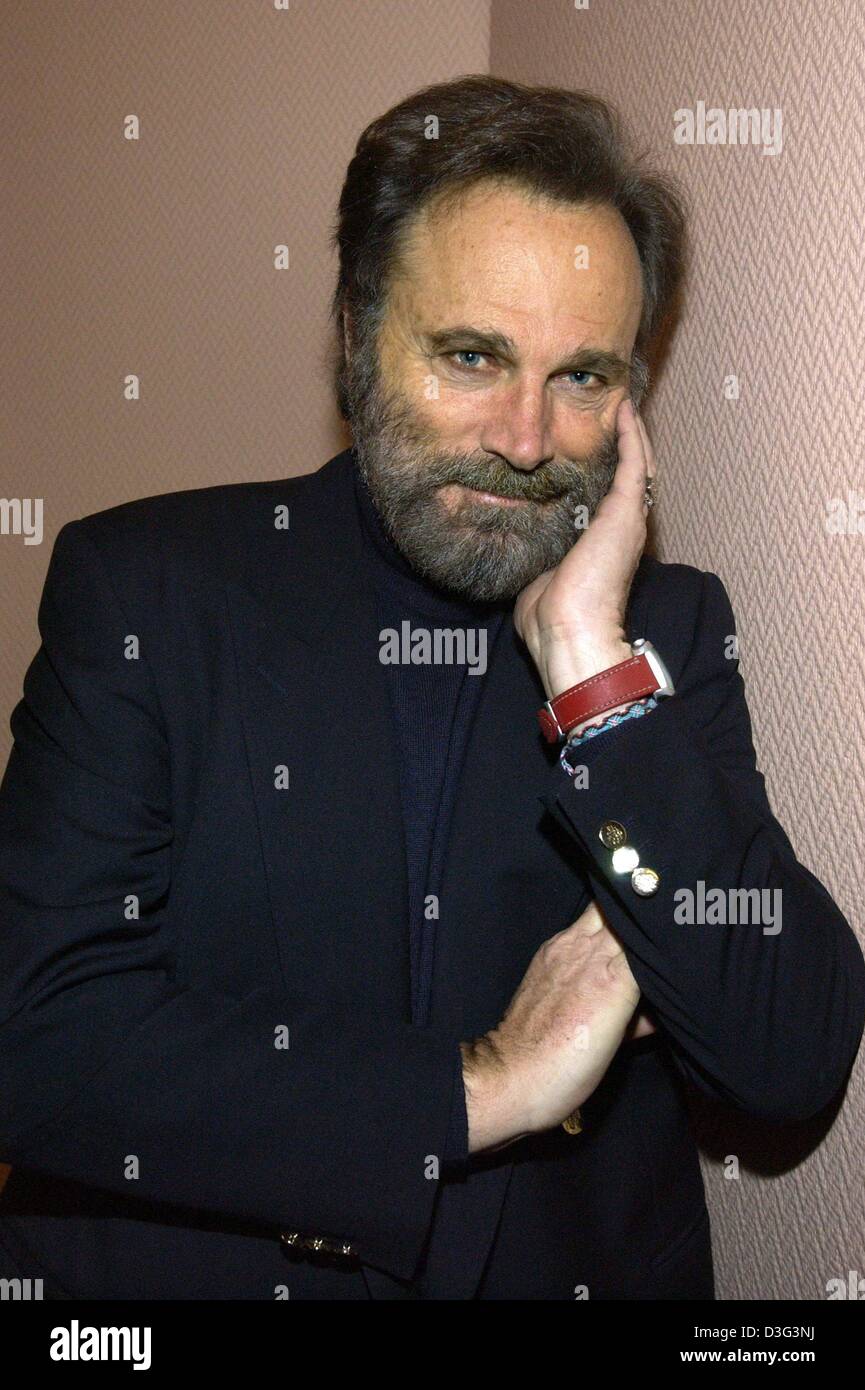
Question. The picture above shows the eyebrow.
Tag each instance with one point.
(489, 340)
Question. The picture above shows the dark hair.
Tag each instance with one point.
(561, 145)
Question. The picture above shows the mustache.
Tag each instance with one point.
(544, 484)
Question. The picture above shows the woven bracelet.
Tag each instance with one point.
(636, 710)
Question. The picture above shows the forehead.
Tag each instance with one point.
(498, 251)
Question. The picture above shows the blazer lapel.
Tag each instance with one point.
(316, 715)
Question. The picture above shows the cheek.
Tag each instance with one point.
(580, 432)
(591, 426)
(457, 416)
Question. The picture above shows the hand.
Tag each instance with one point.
(559, 1034)
(572, 618)
(639, 1027)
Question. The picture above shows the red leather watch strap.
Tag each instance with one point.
(629, 680)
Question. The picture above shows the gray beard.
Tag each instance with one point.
(476, 551)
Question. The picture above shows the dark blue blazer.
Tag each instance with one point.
(201, 858)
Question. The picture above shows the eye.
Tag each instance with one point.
(583, 385)
(468, 352)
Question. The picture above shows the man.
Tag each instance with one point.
(326, 972)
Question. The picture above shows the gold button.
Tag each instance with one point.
(645, 881)
(573, 1124)
(612, 834)
(625, 859)
(318, 1244)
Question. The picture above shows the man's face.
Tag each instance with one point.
(487, 413)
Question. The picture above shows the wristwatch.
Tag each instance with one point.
(642, 674)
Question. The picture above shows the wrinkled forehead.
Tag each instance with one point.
(546, 267)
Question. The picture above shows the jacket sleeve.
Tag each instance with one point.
(115, 1074)
(763, 1014)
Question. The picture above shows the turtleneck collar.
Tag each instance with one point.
(393, 569)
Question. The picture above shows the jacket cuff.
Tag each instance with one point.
(657, 751)
(456, 1148)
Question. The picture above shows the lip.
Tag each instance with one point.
(492, 498)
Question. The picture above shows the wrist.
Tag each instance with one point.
(616, 689)
(495, 1118)
(565, 664)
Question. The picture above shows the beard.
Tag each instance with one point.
(474, 550)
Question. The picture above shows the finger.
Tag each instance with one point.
(589, 923)
(621, 972)
(641, 1026)
(630, 477)
(648, 451)
(649, 455)
(595, 924)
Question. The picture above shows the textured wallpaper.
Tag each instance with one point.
(758, 423)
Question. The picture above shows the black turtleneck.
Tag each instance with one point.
(433, 706)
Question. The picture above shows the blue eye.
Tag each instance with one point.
(581, 383)
(467, 352)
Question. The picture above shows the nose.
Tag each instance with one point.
(518, 428)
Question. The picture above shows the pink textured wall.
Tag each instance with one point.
(746, 484)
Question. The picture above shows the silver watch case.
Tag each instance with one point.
(665, 684)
